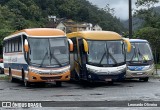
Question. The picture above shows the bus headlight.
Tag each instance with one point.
(148, 67)
(35, 71)
(92, 70)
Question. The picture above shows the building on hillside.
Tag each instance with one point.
(96, 28)
(68, 25)
(71, 26)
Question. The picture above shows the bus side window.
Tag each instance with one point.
(19, 44)
(3, 47)
(6, 46)
(10, 46)
(16, 45)
(13, 42)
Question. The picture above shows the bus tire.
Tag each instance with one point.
(145, 79)
(26, 83)
(58, 83)
(110, 82)
(11, 79)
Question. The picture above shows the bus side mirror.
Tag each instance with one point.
(85, 45)
(128, 44)
(70, 45)
(26, 47)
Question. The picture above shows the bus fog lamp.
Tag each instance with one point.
(89, 76)
(33, 77)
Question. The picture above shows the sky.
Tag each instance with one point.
(120, 6)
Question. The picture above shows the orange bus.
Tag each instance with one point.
(37, 55)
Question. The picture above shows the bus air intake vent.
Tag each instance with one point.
(51, 78)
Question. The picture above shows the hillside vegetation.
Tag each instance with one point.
(20, 14)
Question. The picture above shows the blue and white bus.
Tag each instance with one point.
(140, 62)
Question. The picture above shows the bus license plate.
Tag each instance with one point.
(51, 80)
(108, 79)
(139, 73)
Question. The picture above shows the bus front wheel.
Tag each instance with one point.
(58, 83)
(26, 83)
(11, 79)
(144, 79)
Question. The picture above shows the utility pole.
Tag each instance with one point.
(130, 19)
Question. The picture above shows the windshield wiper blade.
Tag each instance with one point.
(109, 54)
(102, 57)
(52, 56)
(44, 58)
(112, 58)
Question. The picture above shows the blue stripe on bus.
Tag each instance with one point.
(17, 66)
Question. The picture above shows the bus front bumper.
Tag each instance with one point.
(34, 77)
(139, 74)
(95, 77)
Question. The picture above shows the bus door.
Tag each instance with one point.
(82, 59)
(75, 69)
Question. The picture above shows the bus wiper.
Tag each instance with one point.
(53, 56)
(44, 58)
(109, 54)
(112, 58)
(102, 57)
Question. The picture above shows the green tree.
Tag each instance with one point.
(152, 35)
(151, 18)
(151, 25)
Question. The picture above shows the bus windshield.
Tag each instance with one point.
(49, 52)
(139, 52)
(106, 52)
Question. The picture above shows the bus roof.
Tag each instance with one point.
(37, 32)
(96, 35)
(138, 40)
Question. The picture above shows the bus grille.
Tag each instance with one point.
(51, 78)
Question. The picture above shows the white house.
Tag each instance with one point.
(71, 26)
(96, 28)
